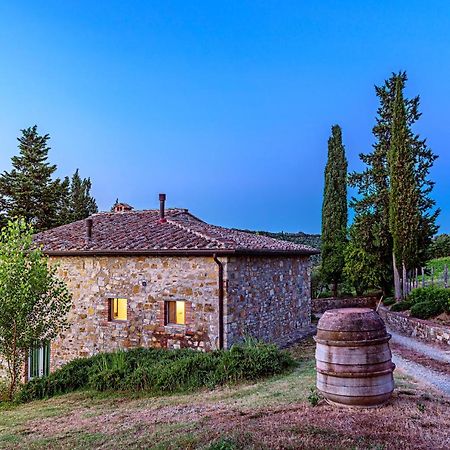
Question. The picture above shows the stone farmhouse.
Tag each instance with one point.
(164, 278)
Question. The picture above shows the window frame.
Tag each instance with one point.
(167, 322)
(111, 311)
(39, 360)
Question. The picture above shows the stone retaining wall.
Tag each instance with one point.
(417, 328)
(320, 305)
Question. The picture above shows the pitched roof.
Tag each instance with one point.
(141, 232)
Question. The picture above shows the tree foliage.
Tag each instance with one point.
(81, 203)
(361, 267)
(373, 184)
(29, 190)
(403, 195)
(439, 247)
(334, 210)
(34, 302)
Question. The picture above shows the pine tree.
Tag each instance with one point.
(334, 211)
(28, 190)
(82, 204)
(403, 195)
(372, 206)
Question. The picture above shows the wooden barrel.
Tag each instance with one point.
(353, 358)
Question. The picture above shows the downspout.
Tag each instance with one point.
(219, 263)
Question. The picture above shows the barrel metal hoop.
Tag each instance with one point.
(356, 374)
(364, 343)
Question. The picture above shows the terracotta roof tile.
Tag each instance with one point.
(142, 232)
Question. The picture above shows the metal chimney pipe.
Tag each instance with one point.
(89, 223)
(162, 208)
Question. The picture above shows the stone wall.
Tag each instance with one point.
(320, 305)
(147, 282)
(410, 326)
(268, 298)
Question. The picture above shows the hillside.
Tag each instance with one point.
(313, 240)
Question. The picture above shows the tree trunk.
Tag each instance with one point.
(405, 281)
(397, 285)
(335, 289)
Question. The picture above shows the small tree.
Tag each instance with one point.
(334, 210)
(34, 302)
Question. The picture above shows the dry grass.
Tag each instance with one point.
(270, 414)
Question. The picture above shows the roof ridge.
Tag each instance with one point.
(196, 233)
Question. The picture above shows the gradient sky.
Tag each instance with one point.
(224, 105)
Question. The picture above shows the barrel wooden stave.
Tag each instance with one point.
(354, 366)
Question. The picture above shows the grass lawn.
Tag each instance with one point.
(274, 413)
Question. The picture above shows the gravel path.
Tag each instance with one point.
(437, 353)
(424, 375)
(428, 364)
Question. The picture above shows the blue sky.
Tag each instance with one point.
(225, 106)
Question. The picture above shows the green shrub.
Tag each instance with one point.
(425, 310)
(72, 376)
(432, 294)
(388, 301)
(161, 370)
(401, 306)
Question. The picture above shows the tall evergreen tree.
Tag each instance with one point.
(404, 211)
(372, 206)
(334, 210)
(28, 190)
(82, 204)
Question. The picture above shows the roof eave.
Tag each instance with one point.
(185, 252)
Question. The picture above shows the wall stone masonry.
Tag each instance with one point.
(268, 298)
(146, 282)
(320, 305)
(264, 297)
(418, 328)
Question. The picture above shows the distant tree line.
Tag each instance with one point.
(439, 247)
(395, 215)
(30, 190)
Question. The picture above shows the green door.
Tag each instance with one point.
(39, 361)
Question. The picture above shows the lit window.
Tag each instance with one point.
(175, 313)
(118, 308)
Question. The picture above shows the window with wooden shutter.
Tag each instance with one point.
(118, 309)
(175, 313)
(39, 361)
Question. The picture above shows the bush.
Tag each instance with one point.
(425, 310)
(388, 301)
(161, 370)
(432, 294)
(401, 306)
(72, 376)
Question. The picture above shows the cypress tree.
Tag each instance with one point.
(372, 206)
(403, 196)
(334, 211)
(28, 190)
